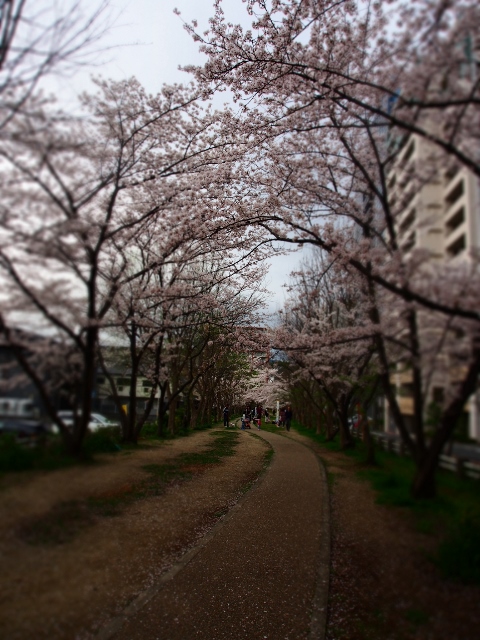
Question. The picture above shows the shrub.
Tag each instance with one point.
(459, 553)
(106, 440)
(15, 456)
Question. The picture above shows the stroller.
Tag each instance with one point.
(245, 422)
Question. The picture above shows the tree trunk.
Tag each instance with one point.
(346, 439)
(131, 435)
(424, 485)
(161, 412)
(74, 444)
(172, 407)
(368, 442)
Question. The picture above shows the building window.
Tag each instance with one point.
(455, 194)
(457, 247)
(409, 152)
(408, 221)
(455, 221)
(405, 390)
(410, 242)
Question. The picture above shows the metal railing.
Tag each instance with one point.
(461, 466)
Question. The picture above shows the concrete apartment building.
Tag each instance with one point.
(439, 213)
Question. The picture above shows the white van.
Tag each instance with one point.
(18, 408)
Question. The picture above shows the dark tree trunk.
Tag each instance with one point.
(369, 443)
(161, 413)
(74, 444)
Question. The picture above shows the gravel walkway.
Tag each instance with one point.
(262, 573)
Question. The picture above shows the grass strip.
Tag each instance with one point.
(65, 520)
(452, 517)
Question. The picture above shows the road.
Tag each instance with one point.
(263, 573)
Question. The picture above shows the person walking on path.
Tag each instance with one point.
(288, 417)
(259, 417)
(225, 416)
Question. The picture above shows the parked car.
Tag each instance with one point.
(25, 431)
(97, 421)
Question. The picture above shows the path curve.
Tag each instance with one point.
(262, 574)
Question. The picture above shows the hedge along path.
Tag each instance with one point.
(263, 574)
(81, 582)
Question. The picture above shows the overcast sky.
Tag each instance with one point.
(147, 40)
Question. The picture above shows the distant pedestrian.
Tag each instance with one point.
(267, 416)
(288, 417)
(225, 416)
(281, 421)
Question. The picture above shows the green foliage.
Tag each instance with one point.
(453, 517)
(459, 553)
(203, 427)
(49, 455)
(416, 617)
(149, 430)
(106, 440)
(392, 485)
(14, 456)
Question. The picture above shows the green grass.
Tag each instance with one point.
(48, 456)
(458, 556)
(272, 428)
(416, 617)
(59, 526)
(267, 458)
(452, 517)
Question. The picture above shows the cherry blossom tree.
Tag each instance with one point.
(412, 68)
(96, 208)
(41, 39)
(326, 335)
(331, 95)
(170, 314)
(78, 194)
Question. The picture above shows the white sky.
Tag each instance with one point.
(147, 40)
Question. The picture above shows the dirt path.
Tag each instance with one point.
(257, 577)
(64, 589)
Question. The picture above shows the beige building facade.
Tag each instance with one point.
(437, 210)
